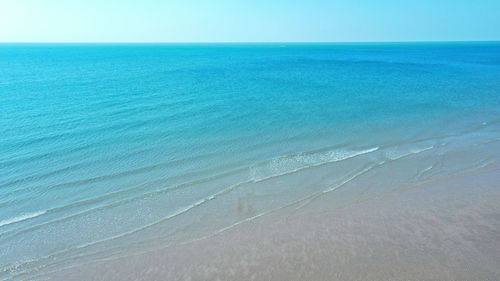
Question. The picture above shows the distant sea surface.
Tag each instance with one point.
(111, 150)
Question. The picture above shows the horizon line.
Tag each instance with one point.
(248, 42)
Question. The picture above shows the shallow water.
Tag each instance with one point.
(106, 150)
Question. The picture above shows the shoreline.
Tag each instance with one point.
(445, 230)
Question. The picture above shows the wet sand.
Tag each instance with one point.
(443, 230)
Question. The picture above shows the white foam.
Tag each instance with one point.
(21, 218)
(291, 164)
(395, 155)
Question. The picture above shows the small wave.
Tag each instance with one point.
(421, 173)
(393, 155)
(293, 163)
(21, 218)
(334, 187)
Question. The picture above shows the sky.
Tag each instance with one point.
(248, 20)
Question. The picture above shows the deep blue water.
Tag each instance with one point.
(100, 143)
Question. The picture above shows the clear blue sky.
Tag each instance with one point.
(248, 20)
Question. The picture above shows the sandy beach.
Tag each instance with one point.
(444, 230)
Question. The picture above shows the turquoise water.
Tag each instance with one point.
(107, 150)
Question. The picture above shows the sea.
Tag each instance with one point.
(111, 150)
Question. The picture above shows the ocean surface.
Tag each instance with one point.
(110, 150)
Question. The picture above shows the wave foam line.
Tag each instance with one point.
(334, 187)
(337, 158)
(21, 218)
(412, 151)
(424, 171)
